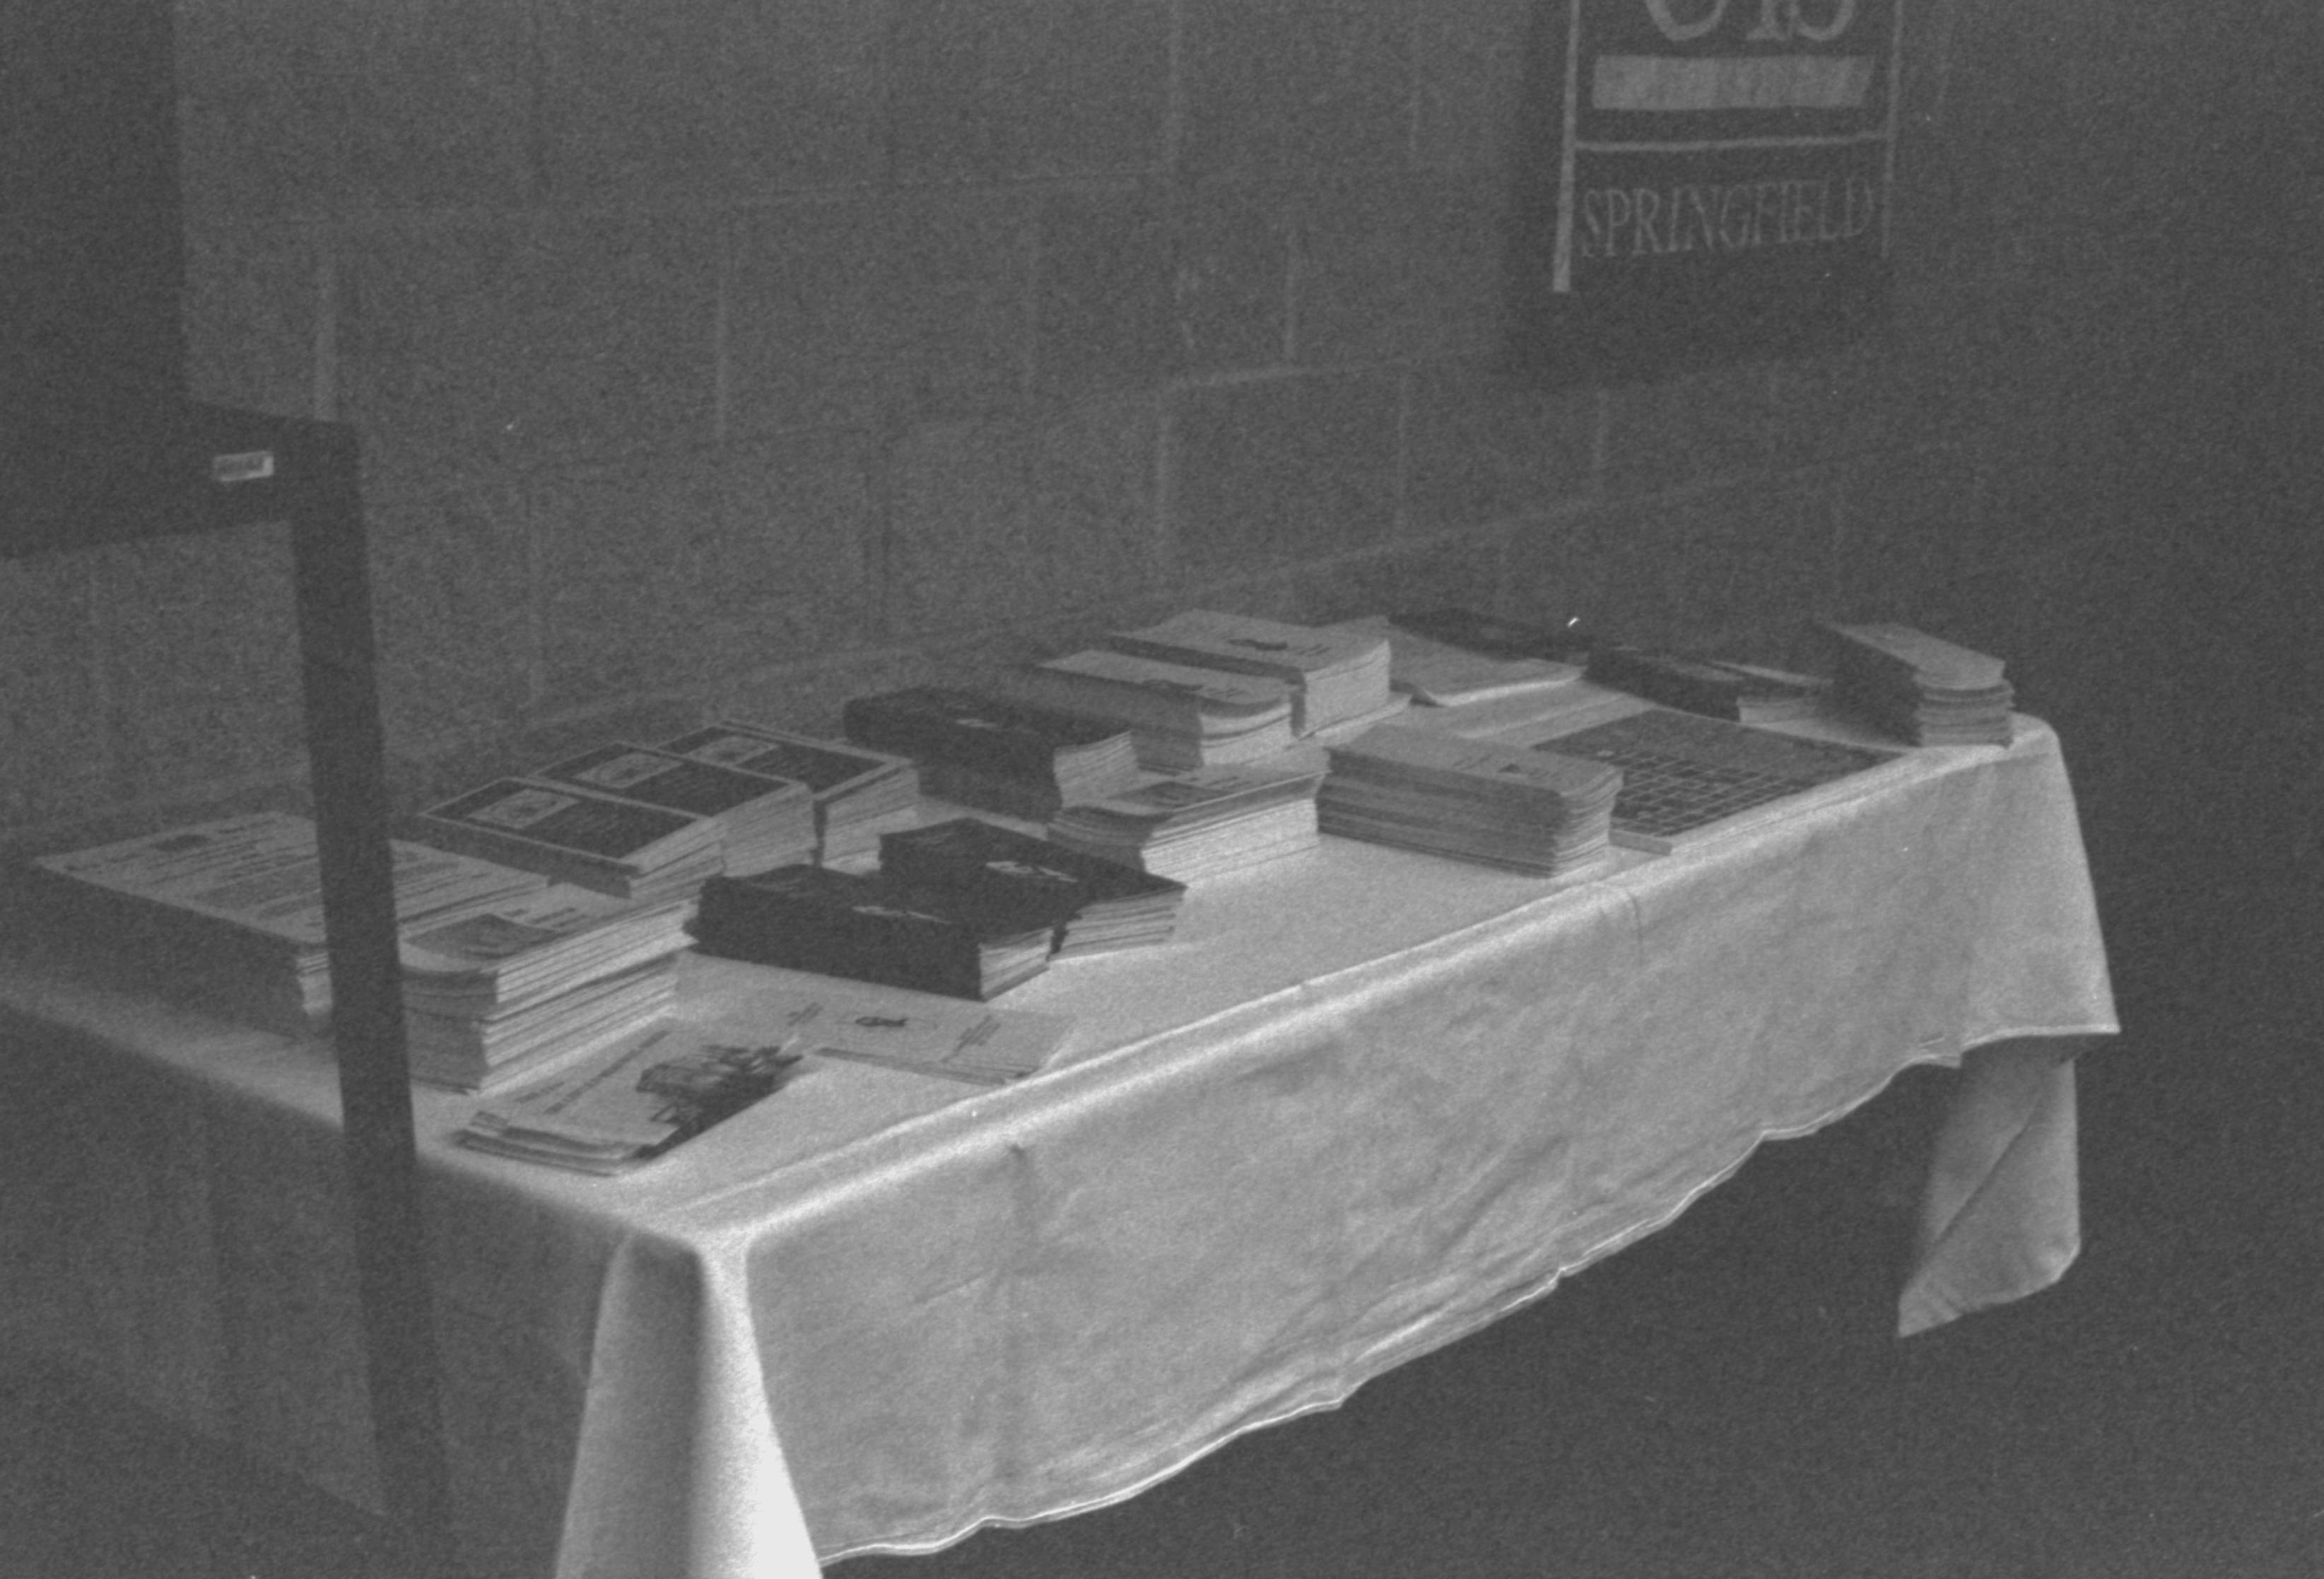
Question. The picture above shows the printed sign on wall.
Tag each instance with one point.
(1710, 178)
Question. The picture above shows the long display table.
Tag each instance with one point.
(1366, 1103)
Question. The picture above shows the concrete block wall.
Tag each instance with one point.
(748, 354)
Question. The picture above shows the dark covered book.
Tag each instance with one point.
(874, 926)
(1099, 904)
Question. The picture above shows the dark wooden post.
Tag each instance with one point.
(346, 755)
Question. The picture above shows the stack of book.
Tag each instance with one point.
(1709, 685)
(1919, 687)
(1000, 755)
(762, 820)
(875, 927)
(1530, 811)
(1182, 717)
(1339, 677)
(612, 1114)
(859, 794)
(230, 912)
(1099, 904)
(558, 975)
(623, 847)
(1194, 825)
(1438, 674)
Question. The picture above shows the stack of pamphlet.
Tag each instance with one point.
(1709, 685)
(230, 912)
(1183, 717)
(1919, 687)
(609, 1114)
(557, 974)
(1338, 676)
(622, 847)
(875, 927)
(1002, 755)
(1099, 904)
(1439, 674)
(859, 794)
(763, 821)
(1530, 811)
(1193, 825)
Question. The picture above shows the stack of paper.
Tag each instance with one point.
(1527, 810)
(1099, 904)
(557, 974)
(762, 820)
(1338, 676)
(875, 927)
(230, 911)
(1194, 825)
(609, 1114)
(622, 847)
(1002, 755)
(859, 793)
(1919, 687)
(1182, 717)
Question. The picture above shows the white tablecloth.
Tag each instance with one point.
(1368, 1102)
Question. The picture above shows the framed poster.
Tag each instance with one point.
(1704, 180)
